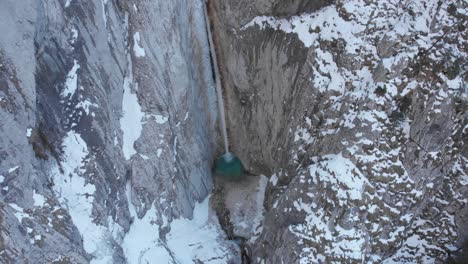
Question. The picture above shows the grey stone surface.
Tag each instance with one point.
(382, 110)
(354, 110)
(65, 69)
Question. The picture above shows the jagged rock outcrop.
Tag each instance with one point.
(107, 128)
(357, 112)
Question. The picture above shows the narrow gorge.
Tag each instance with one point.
(349, 117)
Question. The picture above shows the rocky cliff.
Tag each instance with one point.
(107, 133)
(351, 113)
(356, 110)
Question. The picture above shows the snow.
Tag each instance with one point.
(131, 119)
(160, 119)
(341, 175)
(334, 81)
(74, 35)
(143, 156)
(2, 178)
(274, 179)
(197, 238)
(67, 3)
(141, 243)
(188, 240)
(39, 199)
(260, 198)
(76, 194)
(104, 15)
(327, 20)
(304, 135)
(159, 152)
(28, 132)
(71, 81)
(139, 51)
(85, 105)
(13, 169)
(19, 214)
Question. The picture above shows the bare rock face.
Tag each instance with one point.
(357, 111)
(107, 124)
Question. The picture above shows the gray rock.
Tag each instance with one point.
(359, 173)
(107, 125)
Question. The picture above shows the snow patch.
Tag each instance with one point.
(141, 243)
(198, 238)
(341, 175)
(139, 51)
(85, 105)
(104, 15)
(159, 152)
(131, 120)
(77, 195)
(74, 36)
(13, 169)
(19, 214)
(39, 199)
(188, 241)
(71, 81)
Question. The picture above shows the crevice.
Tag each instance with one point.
(224, 217)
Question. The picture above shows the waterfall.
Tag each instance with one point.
(217, 79)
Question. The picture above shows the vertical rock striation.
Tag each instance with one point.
(108, 114)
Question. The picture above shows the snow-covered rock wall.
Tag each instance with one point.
(107, 124)
(357, 110)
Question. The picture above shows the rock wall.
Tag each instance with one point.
(108, 114)
(356, 110)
